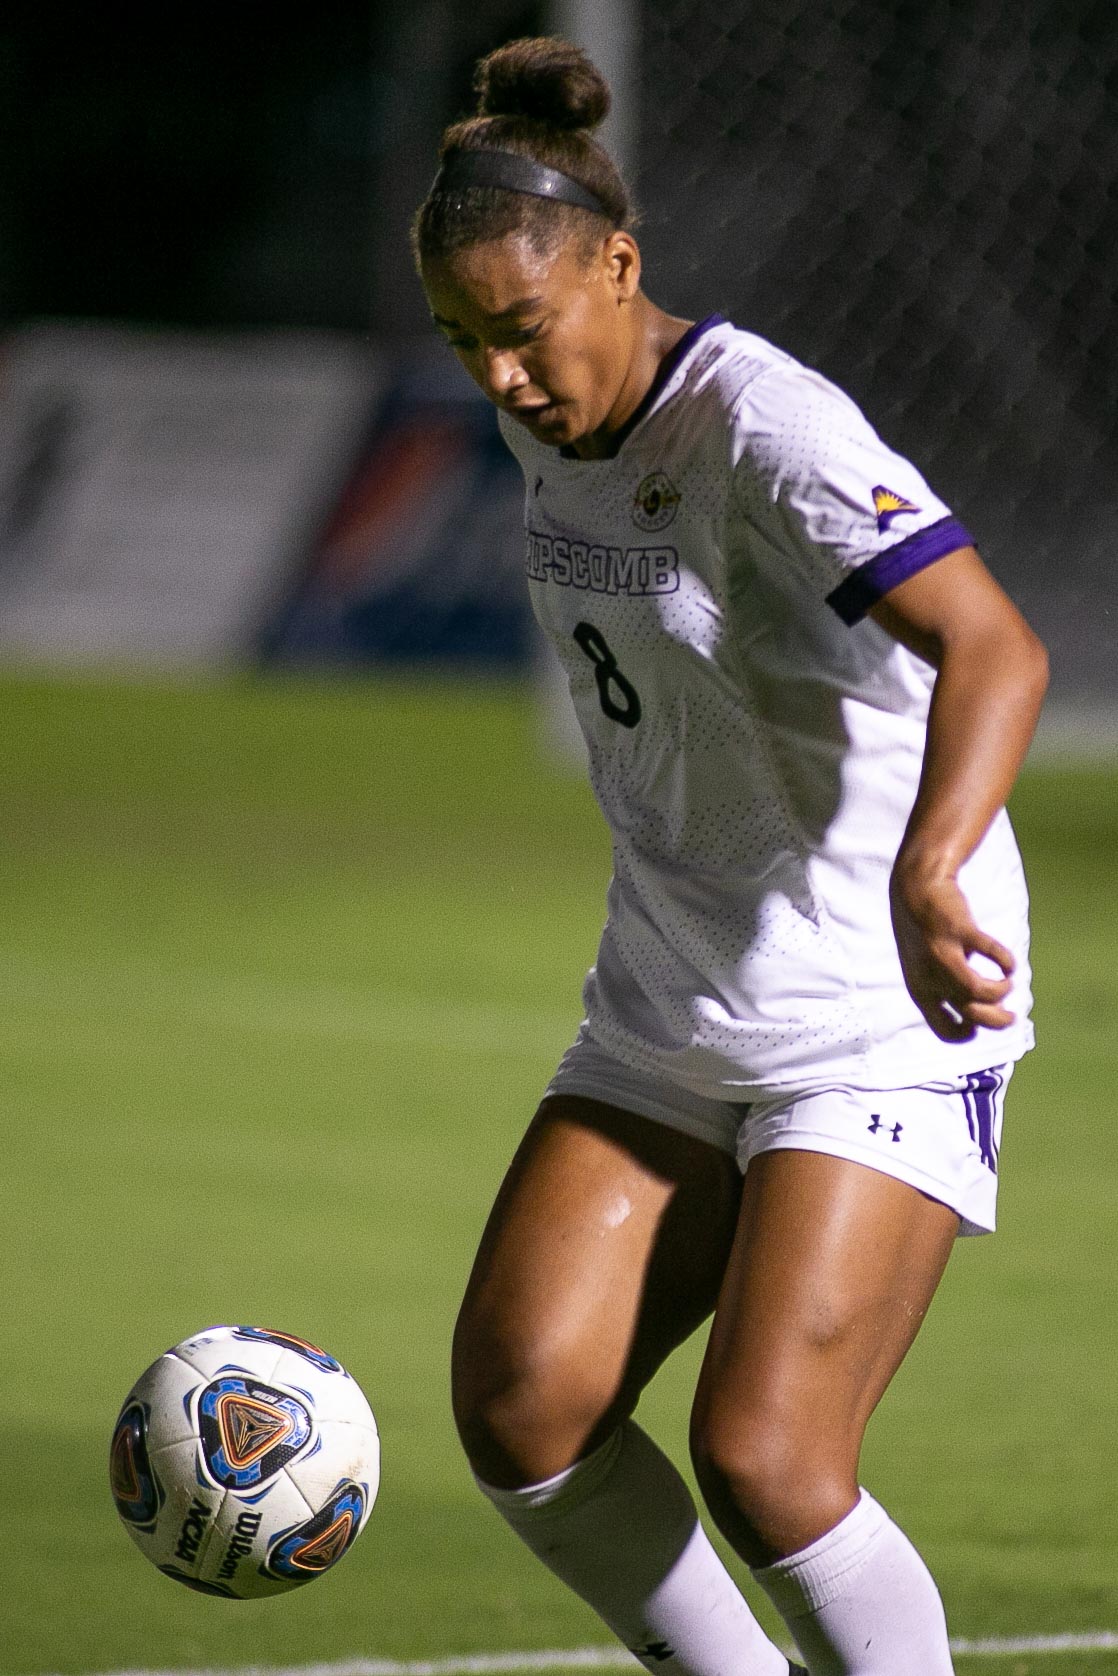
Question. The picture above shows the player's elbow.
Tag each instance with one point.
(1039, 653)
(1030, 661)
(1009, 653)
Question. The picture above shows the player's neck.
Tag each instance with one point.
(655, 335)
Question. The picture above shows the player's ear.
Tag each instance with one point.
(622, 260)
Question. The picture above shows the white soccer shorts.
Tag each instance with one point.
(942, 1138)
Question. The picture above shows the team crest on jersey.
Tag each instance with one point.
(655, 503)
(889, 505)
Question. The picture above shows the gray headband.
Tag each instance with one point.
(510, 172)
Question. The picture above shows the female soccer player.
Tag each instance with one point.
(805, 701)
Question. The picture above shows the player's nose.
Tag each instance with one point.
(503, 373)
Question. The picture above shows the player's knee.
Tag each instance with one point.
(526, 1407)
(768, 1475)
(743, 1468)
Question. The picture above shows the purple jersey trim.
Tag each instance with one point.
(873, 580)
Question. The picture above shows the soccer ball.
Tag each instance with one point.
(244, 1462)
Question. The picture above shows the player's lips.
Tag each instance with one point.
(528, 411)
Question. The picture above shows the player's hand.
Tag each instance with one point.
(938, 941)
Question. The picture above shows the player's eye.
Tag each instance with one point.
(512, 339)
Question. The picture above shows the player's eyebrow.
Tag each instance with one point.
(526, 305)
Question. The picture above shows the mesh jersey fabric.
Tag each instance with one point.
(755, 739)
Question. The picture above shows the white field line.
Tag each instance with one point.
(606, 1658)
(995, 1646)
(379, 1017)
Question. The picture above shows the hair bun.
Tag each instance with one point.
(545, 79)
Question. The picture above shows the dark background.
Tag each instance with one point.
(917, 196)
(228, 166)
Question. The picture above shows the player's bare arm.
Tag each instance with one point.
(992, 673)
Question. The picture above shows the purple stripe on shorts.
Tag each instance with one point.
(979, 1097)
(873, 580)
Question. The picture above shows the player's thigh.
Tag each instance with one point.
(833, 1268)
(605, 1248)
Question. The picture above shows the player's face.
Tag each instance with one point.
(547, 337)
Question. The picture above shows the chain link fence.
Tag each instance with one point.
(920, 198)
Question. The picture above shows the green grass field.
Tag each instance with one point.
(283, 970)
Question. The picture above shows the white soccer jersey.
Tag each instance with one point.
(755, 740)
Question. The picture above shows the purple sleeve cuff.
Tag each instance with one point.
(873, 580)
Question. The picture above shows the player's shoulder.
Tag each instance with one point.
(727, 358)
(782, 414)
(756, 378)
(758, 388)
(723, 363)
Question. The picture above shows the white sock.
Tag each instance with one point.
(861, 1601)
(620, 1529)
